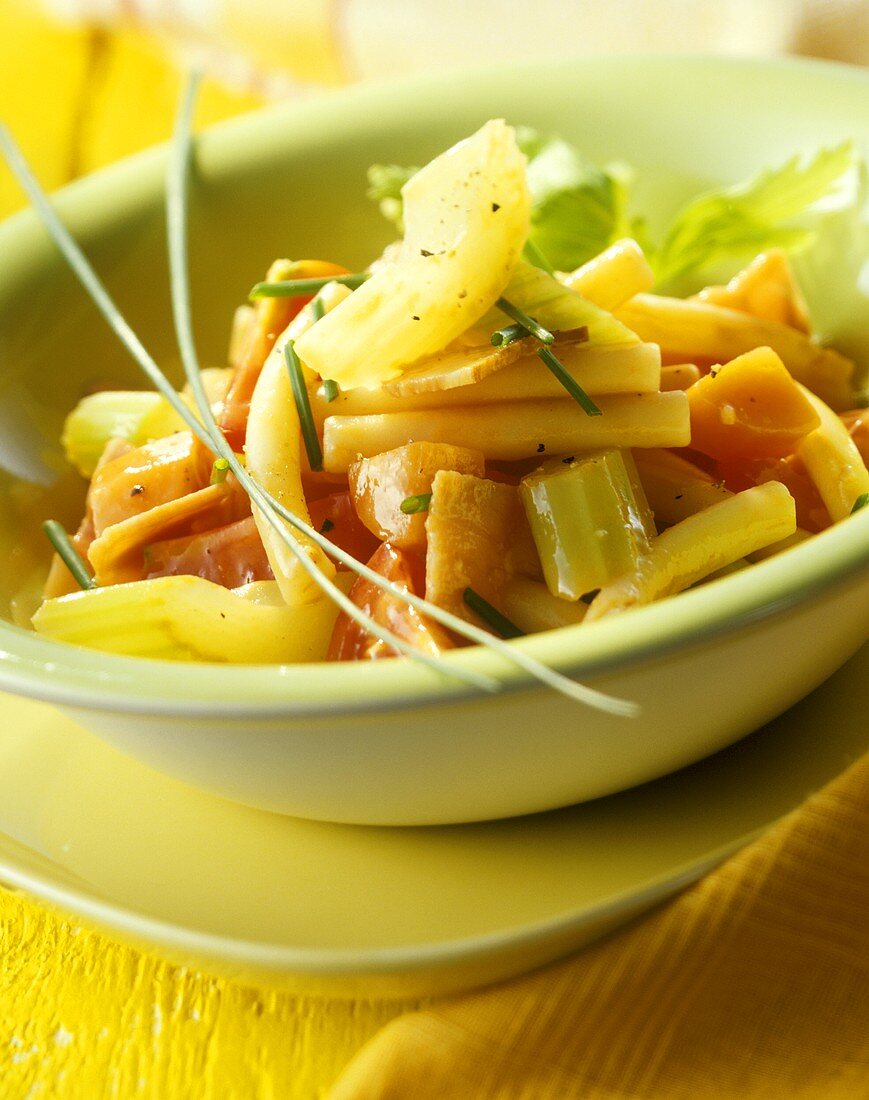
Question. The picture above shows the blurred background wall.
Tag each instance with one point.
(83, 82)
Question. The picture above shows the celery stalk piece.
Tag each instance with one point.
(559, 308)
(466, 217)
(190, 619)
(99, 417)
(589, 519)
(137, 416)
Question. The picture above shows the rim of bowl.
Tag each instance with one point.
(77, 677)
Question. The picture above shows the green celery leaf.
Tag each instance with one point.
(767, 211)
(385, 182)
(577, 208)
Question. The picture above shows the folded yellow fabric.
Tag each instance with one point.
(752, 984)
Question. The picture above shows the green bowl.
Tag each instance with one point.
(391, 742)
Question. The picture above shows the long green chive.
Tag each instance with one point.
(570, 384)
(219, 470)
(275, 510)
(536, 258)
(303, 407)
(419, 503)
(84, 272)
(508, 335)
(862, 501)
(283, 521)
(522, 318)
(330, 389)
(68, 554)
(290, 288)
(210, 434)
(207, 430)
(491, 615)
(318, 310)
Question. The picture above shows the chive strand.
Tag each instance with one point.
(292, 288)
(68, 554)
(93, 285)
(569, 382)
(861, 502)
(413, 504)
(491, 615)
(210, 434)
(303, 407)
(219, 470)
(527, 322)
(508, 335)
(330, 389)
(272, 509)
(318, 310)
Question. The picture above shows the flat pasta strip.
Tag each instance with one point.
(532, 607)
(679, 376)
(701, 545)
(690, 330)
(833, 462)
(614, 276)
(616, 368)
(274, 462)
(514, 430)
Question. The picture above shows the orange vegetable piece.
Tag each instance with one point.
(857, 423)
(351, 642)
(766, 288)
(118, 554)
(271, 317)
(231, 555)
(380, 484)
(478, 537)
(60, 582)
(812, 514)
(146, 477)
(749, 408)
(336, 518)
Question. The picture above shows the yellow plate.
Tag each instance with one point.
(352, 910)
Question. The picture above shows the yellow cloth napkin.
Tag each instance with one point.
(752, 984)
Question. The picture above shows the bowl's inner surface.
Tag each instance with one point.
(292, 183)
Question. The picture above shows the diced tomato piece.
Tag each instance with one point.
(738, 475)
(232, 555)
(351, 642)
(335, 517)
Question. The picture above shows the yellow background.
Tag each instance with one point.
(83, 1016)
